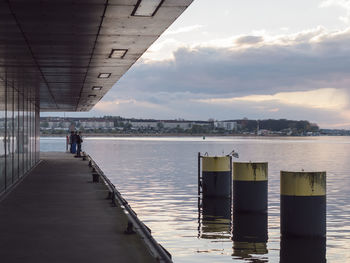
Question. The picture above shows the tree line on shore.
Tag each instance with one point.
(119, 125)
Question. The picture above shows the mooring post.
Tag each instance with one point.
(216, 176)
(308, 250)
(250, 187)
(303, 204)
(249, 233)
(199, 174)
(231, 184)
(216, 218)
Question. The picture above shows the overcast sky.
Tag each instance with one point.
(234, 59)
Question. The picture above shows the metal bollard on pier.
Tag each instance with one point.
(250, 187)
(303, 204)
(95, 177)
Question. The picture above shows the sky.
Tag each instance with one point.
(235, 59)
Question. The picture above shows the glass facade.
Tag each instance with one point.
(19, 133)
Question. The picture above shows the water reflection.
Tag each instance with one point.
(150, 171)
(249, 235)
(214, 217)
(303, 250)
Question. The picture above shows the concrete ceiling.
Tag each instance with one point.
(60, 47)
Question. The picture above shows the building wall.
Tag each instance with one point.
(19, 137)
(96, 124)
(59, 124)
(175, 124)
(166, 124)
(227, 125)
(144, 124)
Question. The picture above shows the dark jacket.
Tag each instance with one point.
(79, 140)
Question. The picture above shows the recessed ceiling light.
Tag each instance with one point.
(104, 75)
(92, 96)
(146, 7)
(118, 53)
(96, 87)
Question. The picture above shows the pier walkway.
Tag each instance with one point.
(56, 214)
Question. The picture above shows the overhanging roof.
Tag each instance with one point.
(61, 46)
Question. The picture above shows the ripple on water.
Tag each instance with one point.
(158, 177)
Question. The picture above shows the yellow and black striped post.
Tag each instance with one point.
(303, 204)
(250, 187)
(249, 234)
(216, 176)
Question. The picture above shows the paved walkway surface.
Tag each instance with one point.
(56, 214)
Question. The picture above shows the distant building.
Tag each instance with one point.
(53, 124)
(142, 124)
(170, 124)
(263, 132)
(165, 124)
(226, 125)
(96, 124)
(72, 123)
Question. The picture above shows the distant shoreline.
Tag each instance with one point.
(158, 135)
(178, 135)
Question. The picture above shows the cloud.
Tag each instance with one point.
(249, 40)
(113, 105)
(186, 29)
(305, 75)
(345, 4)
(331, 99)
(307, 61)
(161, 50)
(342, 3)
(165, 49)
(284, 28)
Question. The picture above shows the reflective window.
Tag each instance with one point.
(29, 130)
(9, 135)
(37, 135)
(33, 133)
(15, 136)
(26, 135)
(19, 124)
(21, 134)
(2, 136)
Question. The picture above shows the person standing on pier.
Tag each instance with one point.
(71, 141)
(79, 140)
(74, 142)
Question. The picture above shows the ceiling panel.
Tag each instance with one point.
(58, 48)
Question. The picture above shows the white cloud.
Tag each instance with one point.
(341, 3)
(113, 105)
(165, 49)
(162, 50)
(298, 76)
(326, 99)
(345, 4)
(181, 30)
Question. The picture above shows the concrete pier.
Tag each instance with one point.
(56, 214)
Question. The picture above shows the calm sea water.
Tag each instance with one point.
(158, 177)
